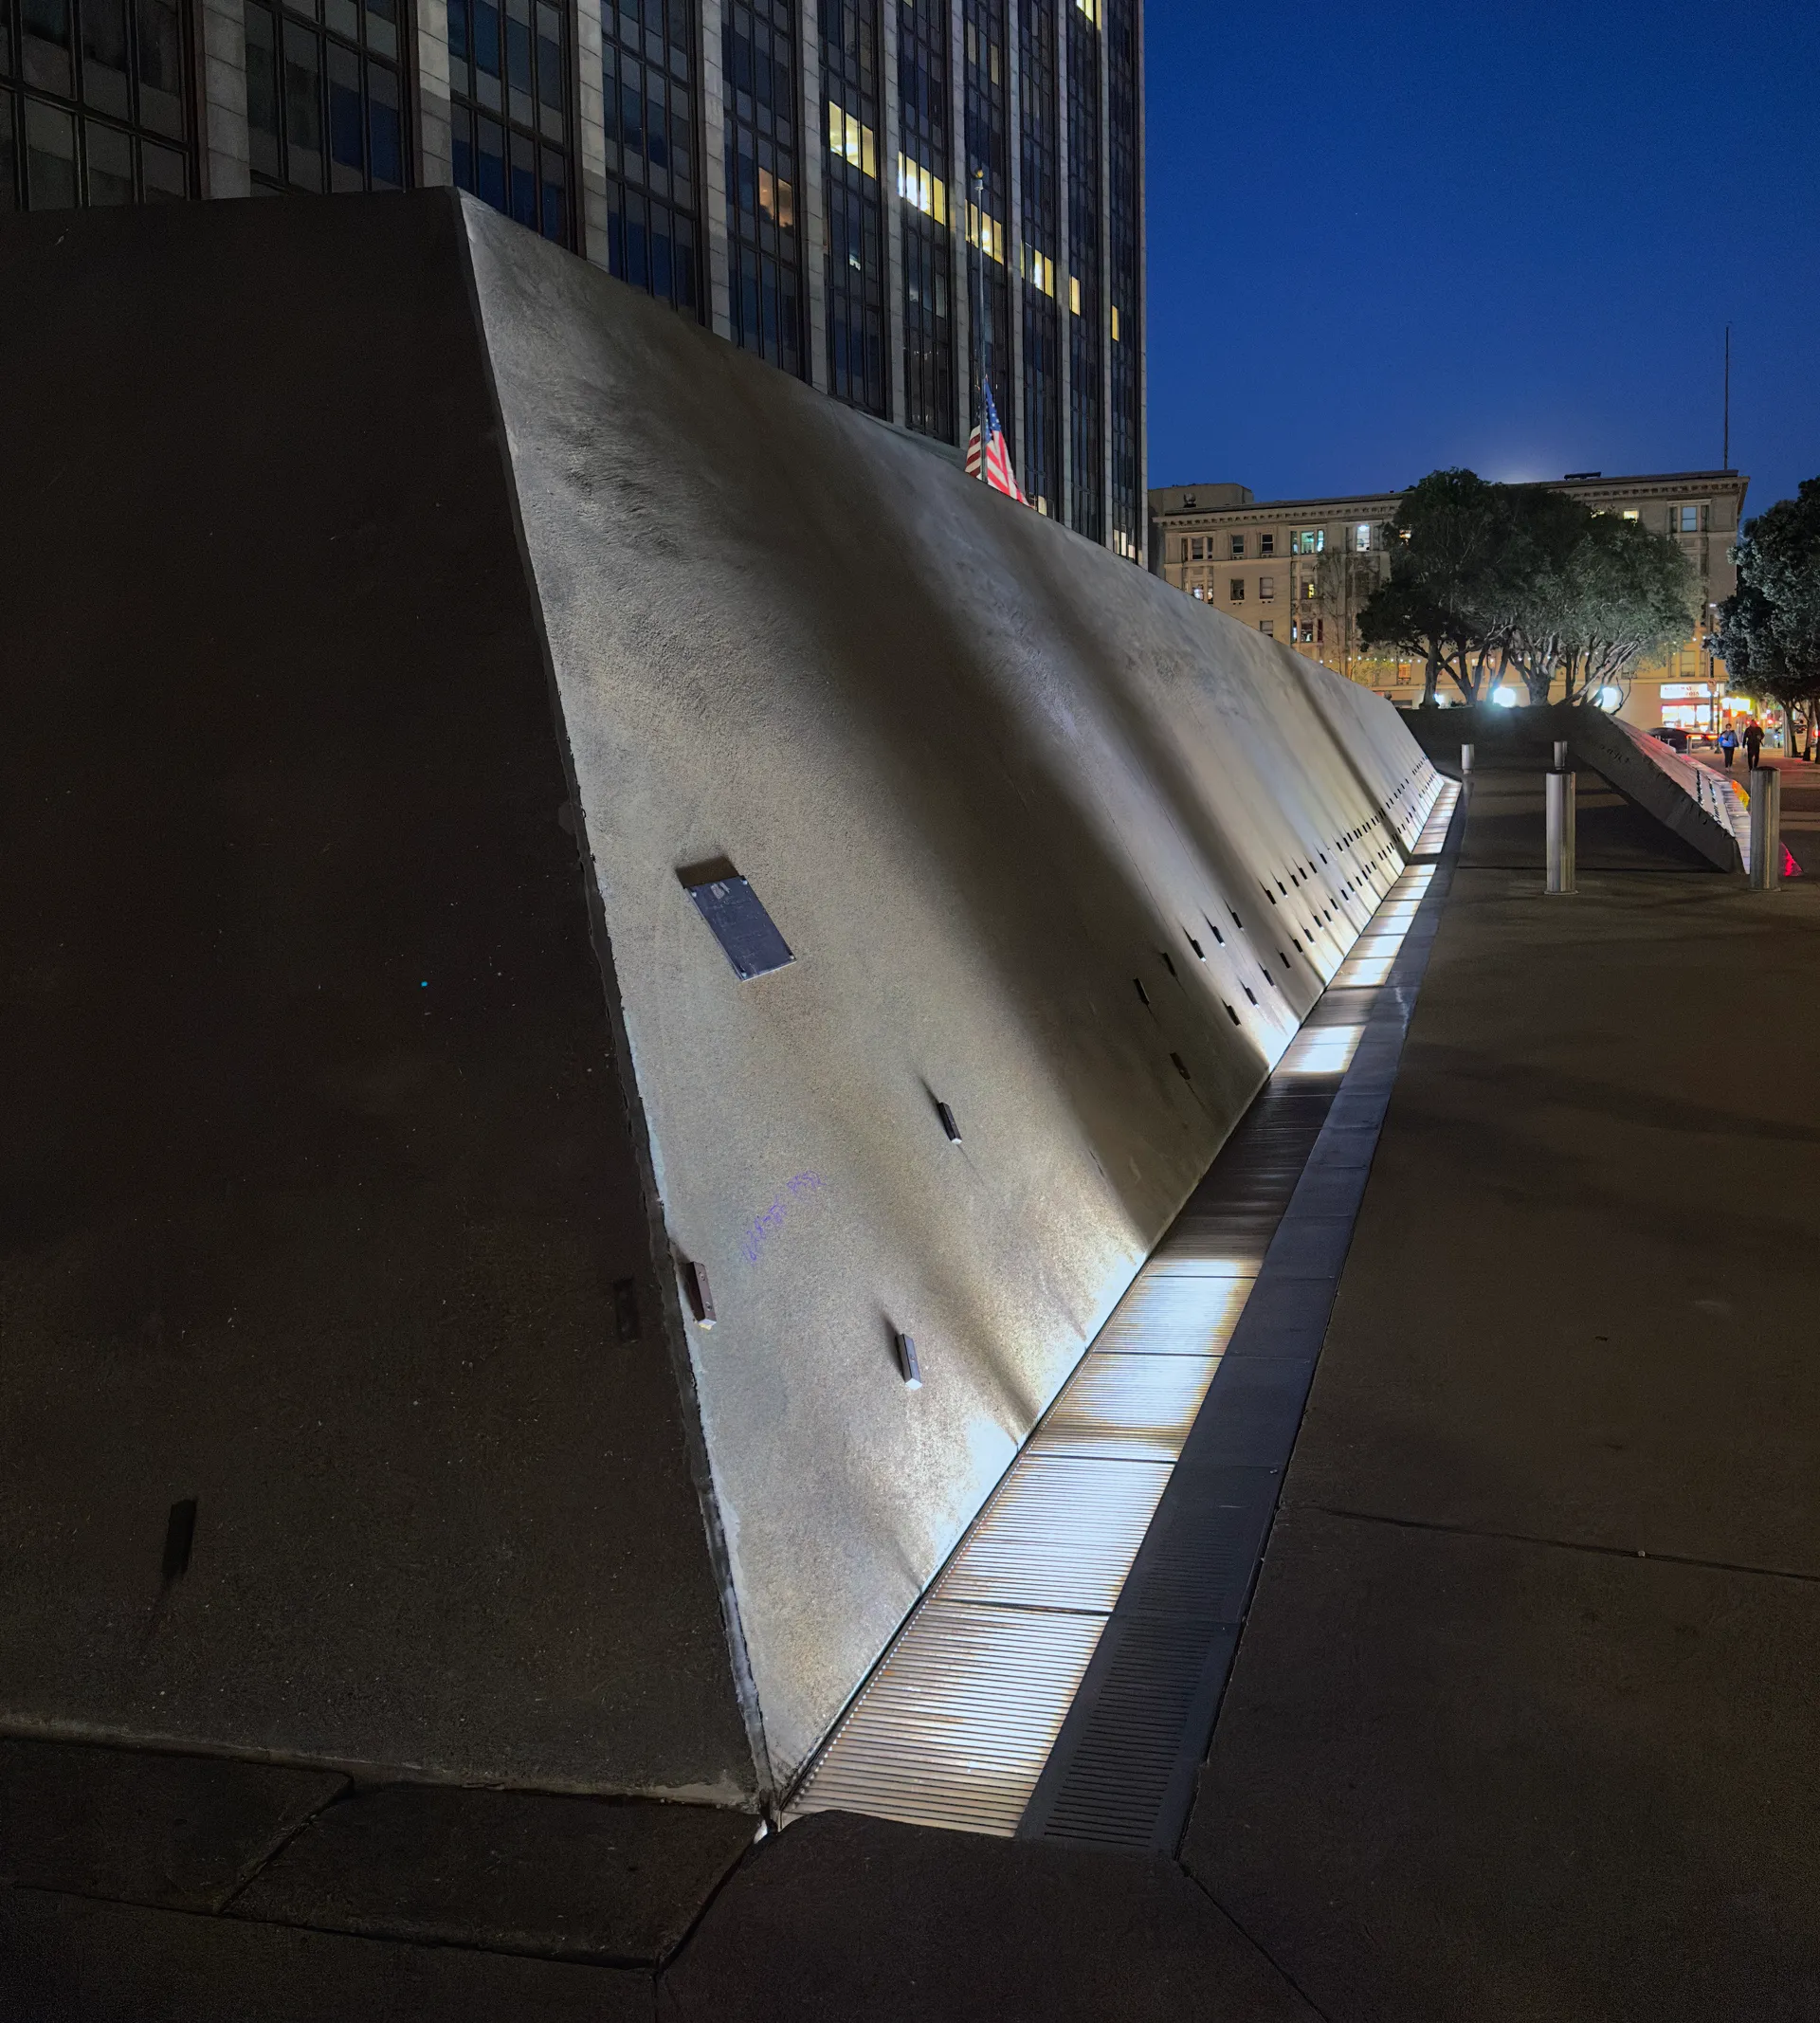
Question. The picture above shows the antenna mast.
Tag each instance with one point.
(1725, 454)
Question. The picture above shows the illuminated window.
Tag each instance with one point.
(1363, 536)
(923, 109)
(759, 50)
(1237, 588)
(1629, 516)
(1308, 540)
(853, 229)
(1074, 293)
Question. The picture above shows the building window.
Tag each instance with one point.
(1308, 540)
(1629, 516)
(1266, 590)
(1687, 520)
(1199, 548)
(1308, 588)
(1266, 544)
(764, 248)
(653, 207)
(1123, 280)
(508, 85)
(1238, 544)
(854, 215)
(1363, 536)
(1267, 627)
(923, 171)
(1086, 442)
(1039, 144)
(1200, 594)
(1236, 587)
(98, 107)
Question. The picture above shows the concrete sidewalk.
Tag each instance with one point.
(1521, 1725)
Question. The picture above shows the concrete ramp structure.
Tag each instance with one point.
(610, 970)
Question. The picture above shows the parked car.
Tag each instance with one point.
(1672, 734)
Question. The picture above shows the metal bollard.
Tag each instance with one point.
(1560, 755)
(1465, 765)
(1766, 829)
(1561, 832)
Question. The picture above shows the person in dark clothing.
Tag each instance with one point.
(1752, 743)
(1728, 745)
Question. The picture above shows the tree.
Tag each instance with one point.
(1770, 627)
(1585, 597)
(1450, 531)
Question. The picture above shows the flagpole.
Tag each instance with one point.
(976, 293)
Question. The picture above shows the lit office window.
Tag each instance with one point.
(95, 103)
(924, 169)
(653, 213)
(324, 101)
(764, 248)
(1040, 243)
(508, 85)
(1128, 511)
(850, 90)
(986, 79)
(1086, 447)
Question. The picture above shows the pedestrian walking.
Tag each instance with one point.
(1752, 743)
(1728, 745)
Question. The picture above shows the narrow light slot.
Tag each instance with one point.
(697, 1291)
(909, 1368)
(1200, 953)
(948, 1123)
(179, 1539)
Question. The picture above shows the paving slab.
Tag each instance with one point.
(74, 1960)
(1579, 1299)
(1460, 1779)
(843, 1918)
(583, 1879)
(184, 1831)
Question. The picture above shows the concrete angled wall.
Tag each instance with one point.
(992, 786)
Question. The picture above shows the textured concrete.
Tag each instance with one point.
(989, 780)
(1521, 1725)
(512, 1872)
(843, 1918)
(72, 1960)
(183, 1832)
(318, 1178)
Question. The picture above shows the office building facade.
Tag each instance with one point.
(888, 199)
(1300, 569)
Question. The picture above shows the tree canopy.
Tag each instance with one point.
(1532, 579)
(1770, 627)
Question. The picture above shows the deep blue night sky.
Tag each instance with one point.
(1389, 237)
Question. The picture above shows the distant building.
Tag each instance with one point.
(1300, 569)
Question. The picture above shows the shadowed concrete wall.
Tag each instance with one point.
(989, 781)
(315, 1181)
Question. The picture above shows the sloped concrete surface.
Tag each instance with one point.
(993, 787)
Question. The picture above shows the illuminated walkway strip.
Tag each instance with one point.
(957, 1722)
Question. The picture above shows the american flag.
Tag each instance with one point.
(999, 474)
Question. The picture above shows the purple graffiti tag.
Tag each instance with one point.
(765, 1224)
